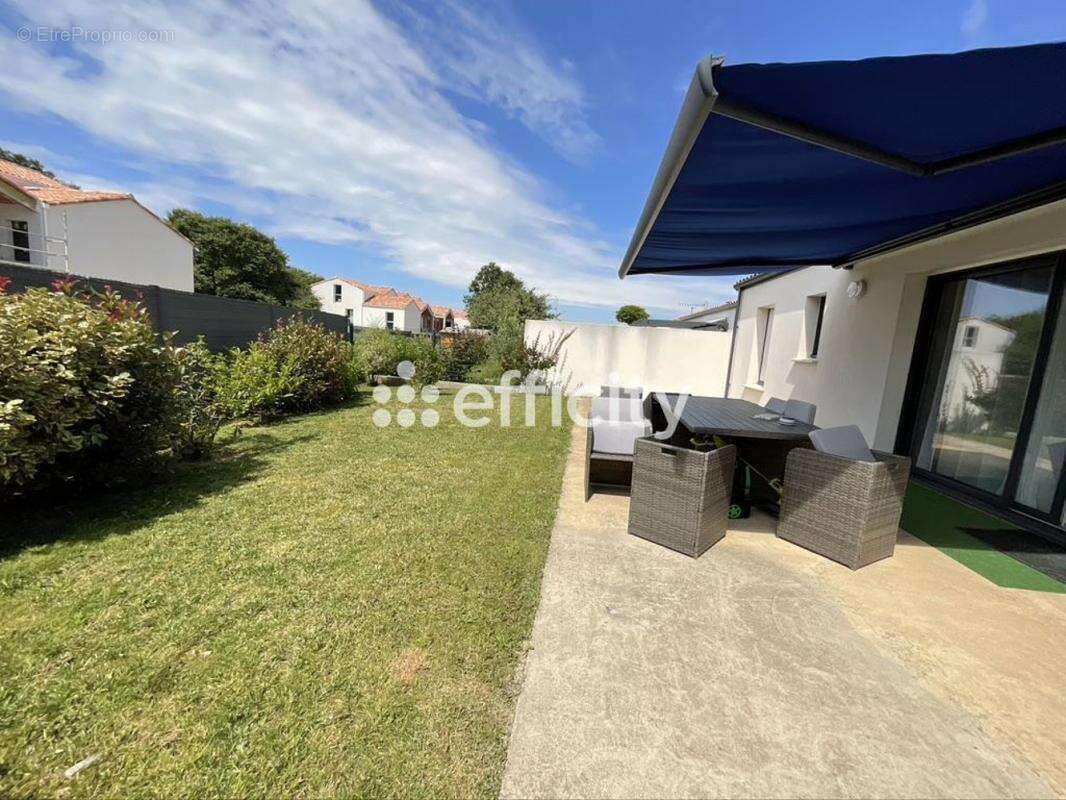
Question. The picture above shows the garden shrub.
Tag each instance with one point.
(378, 352)
(86, 388)
(375, 352)
(460, 353)
(200, 412)
(298, 366)
(488, 371)
(508, 350)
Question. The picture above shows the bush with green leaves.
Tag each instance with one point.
(379, 352)
(200, 413)
(510, 351)
(461, 352)
(87, 391)
(298, 366)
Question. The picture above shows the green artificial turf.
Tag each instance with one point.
(326, 608)
(936, 519)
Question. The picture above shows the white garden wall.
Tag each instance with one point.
(657, 359)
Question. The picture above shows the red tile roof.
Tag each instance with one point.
(460, 315)
(48, 190)
(390, 299)
(366, 287)
(441, 311)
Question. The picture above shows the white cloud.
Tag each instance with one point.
(329, 122)
(974, 18)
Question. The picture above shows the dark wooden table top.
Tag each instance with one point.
(730, 416)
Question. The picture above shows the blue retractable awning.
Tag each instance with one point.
(773, 166)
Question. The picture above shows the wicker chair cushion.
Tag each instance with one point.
(618, 437)
(846, 442)
(618, 409)
(775, 405)
(800, 411)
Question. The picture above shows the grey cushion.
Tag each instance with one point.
(846, 442)
(617, 408)
(775, 405)
(618, 437)
(800, 411)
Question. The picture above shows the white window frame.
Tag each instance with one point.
(764, 331)
(813, 327)
(338, 292)
(390, 321)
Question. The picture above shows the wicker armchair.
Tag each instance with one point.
(680, 497)
(843, 509)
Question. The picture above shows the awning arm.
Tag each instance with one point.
(805, 133)
(727, 108)
(699, 100)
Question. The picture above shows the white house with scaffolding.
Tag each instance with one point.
(45, 223)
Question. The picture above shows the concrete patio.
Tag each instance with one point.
(762, 670)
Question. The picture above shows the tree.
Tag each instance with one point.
(233, 259)
(498, 297)
(630, 314)
(305, 298)
(492, 276)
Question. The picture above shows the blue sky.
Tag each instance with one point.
(406, 144)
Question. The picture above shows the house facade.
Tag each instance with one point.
(394, 311)
(47, 224)
(443, 318)
(911, 276)
(460, 321)
(952, 351)
(369, 306)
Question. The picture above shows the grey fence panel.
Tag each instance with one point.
(223, 321)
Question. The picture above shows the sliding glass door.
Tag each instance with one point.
(991, 413)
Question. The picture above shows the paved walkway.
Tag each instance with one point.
(761, 670)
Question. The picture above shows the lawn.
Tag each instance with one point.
(325, 608)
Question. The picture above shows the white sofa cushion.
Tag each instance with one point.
(618, 437)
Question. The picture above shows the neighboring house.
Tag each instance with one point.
(352, 299)
(345, 297)
(723, 315)
(394, 311)
(47, 224)
(442, 318)
(426, 315)
(912, 276)
(460, 321)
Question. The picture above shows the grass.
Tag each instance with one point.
(936, 519)
(326, 608)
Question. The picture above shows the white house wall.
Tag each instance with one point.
(866, 344)
(404, 319)
(657, 359)
(351, 298)
(13, 212)
(118, 239)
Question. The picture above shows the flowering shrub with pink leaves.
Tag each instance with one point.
(87, 390)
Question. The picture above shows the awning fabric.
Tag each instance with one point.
(773, 166)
